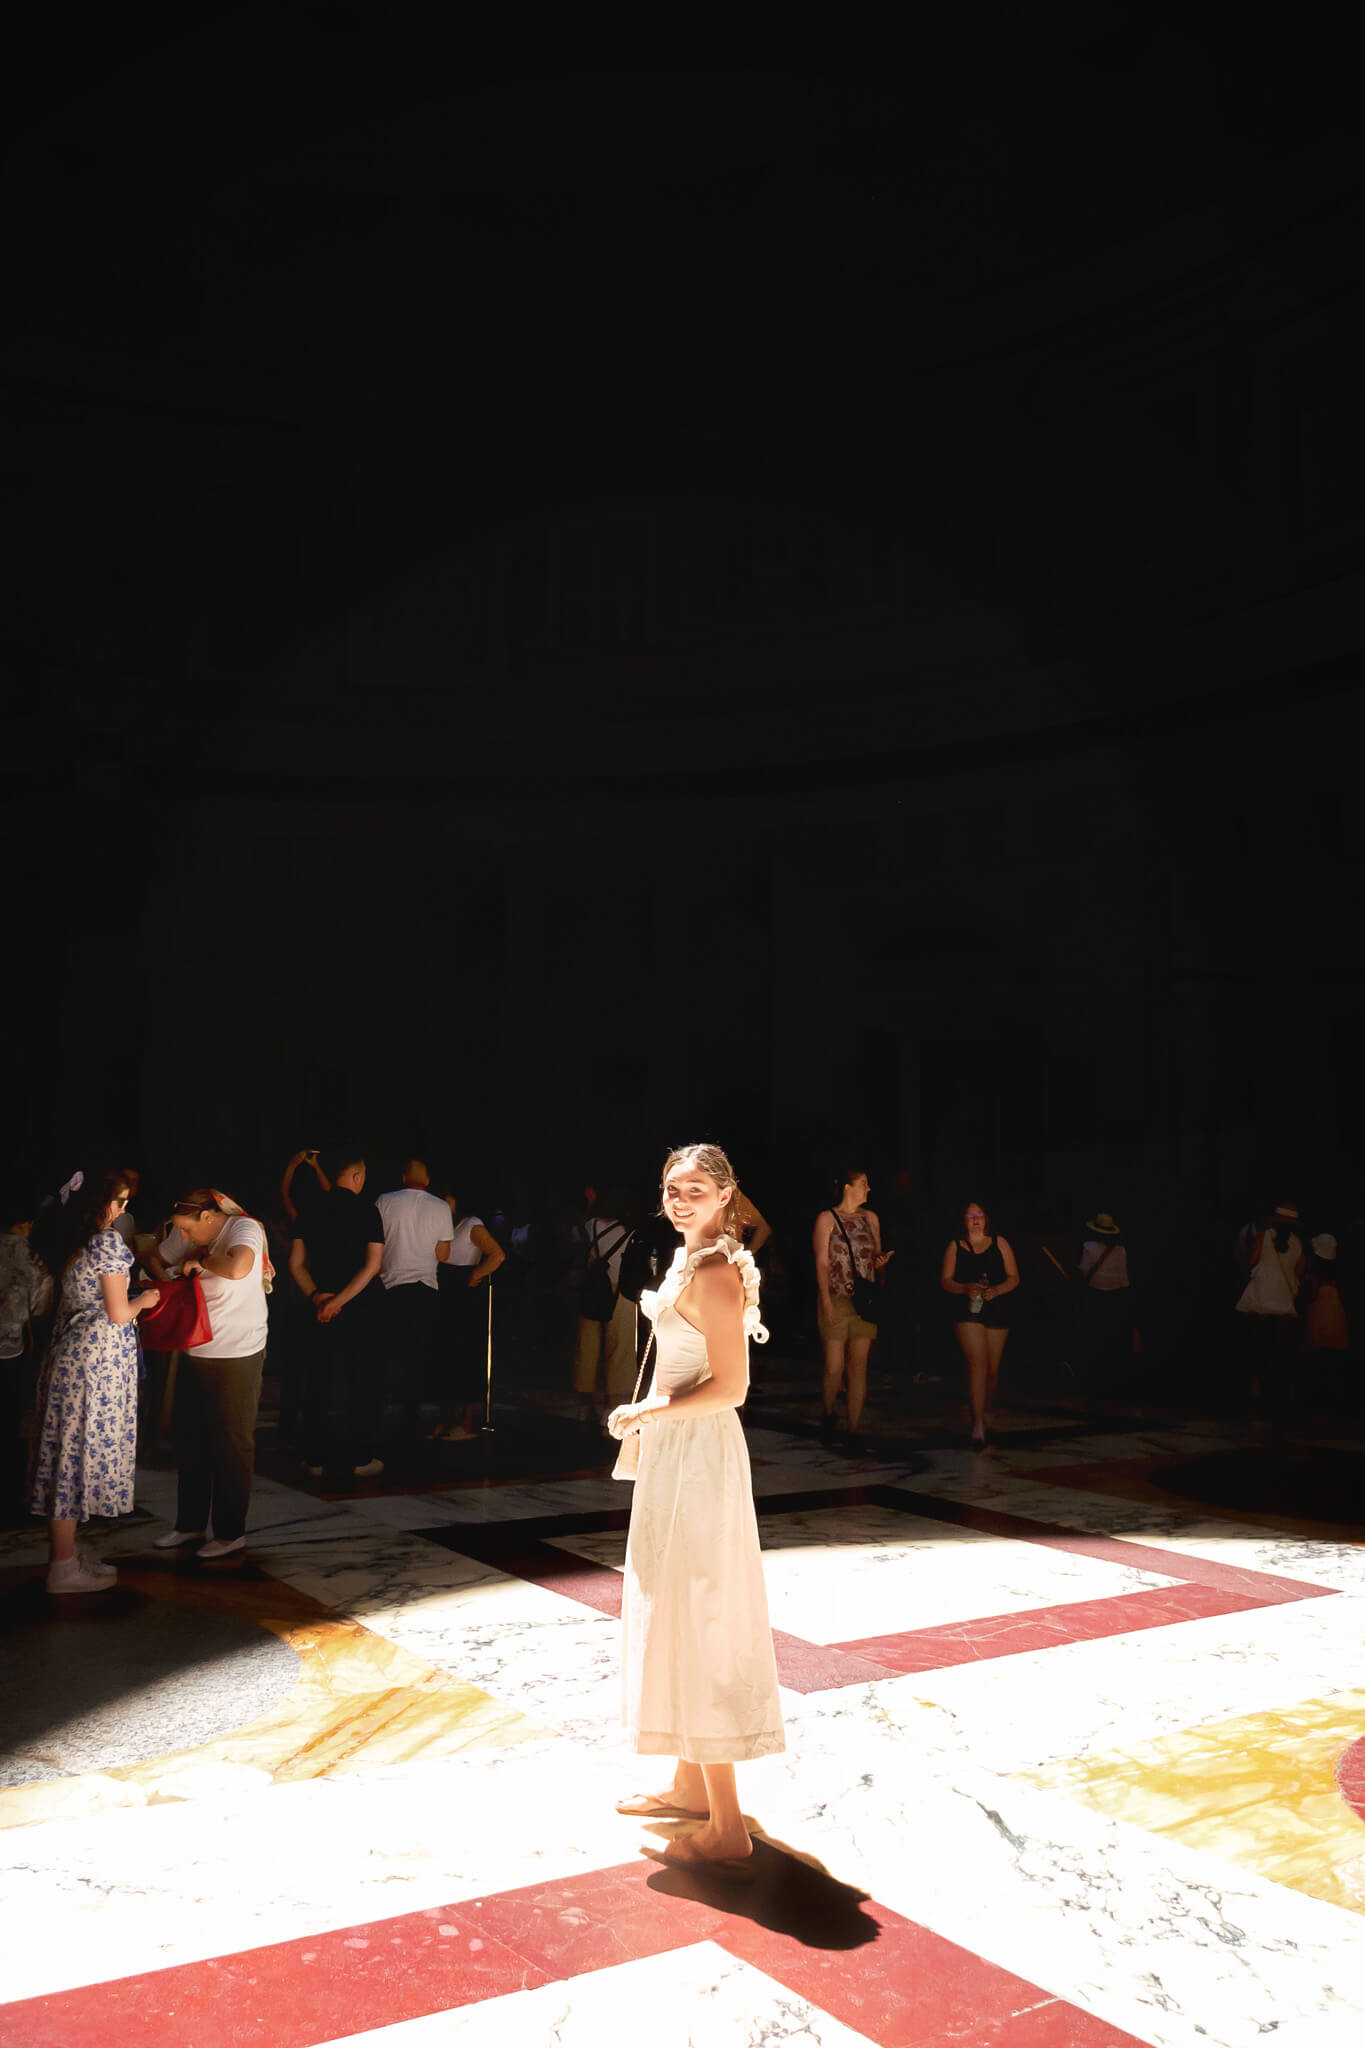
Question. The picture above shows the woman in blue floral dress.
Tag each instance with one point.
(87, 1396)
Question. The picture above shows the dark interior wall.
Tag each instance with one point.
(1111, 972)
(549, 612)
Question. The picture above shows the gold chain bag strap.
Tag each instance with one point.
(628, 1459)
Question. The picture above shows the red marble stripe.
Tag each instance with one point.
(1145, 1557)
(1043, 1628)
(1201, 1587)
(896, 1982)
(821, 1667)
(1351, 1775)
(801, 1666)
(288, 1995)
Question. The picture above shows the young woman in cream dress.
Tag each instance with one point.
(698, 1670)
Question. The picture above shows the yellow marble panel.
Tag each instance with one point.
(359, 1701)
(1260, 1791)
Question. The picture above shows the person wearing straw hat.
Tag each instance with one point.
(1105, 1300)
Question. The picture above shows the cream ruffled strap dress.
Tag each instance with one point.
(699, 1677)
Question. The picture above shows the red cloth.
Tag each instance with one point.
(180, 1319)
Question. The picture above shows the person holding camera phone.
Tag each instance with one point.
(307, 1157)
(849, 1260)
(980, 1270)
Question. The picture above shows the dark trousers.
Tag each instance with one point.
(344, 1389)
(18, 1378)
(215, 1440)
(1276, 1352)
(1104, 1337)
(462, 1339)
(413, 1315)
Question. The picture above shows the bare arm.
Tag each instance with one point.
(443, 1251)
(751, 1219)
(946, 1280)
(358, 1282)
(879, 1257)
(300, 1159)
(1011, 1279)
(233, 1264)
(715, 1302)
(820, 1236)
(493, 1254)
(118, 1306)
(298, 1267)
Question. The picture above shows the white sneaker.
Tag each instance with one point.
(219, 1548)
(173, 1538)
(370, 1471)
(94, 1567)
(72, 1575)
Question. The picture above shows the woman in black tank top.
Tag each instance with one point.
(980, 1274)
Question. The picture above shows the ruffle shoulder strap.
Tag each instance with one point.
(743, 1262)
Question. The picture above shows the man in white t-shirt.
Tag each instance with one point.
(417, 1231)
(218, 1389)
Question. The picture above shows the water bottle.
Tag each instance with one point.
(975, 1304)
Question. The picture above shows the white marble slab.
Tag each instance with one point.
(1173, 1946)
(1220, 1539)
(555, 1661)
(410, 1511)
(841, 1574)
(133, 1890)
(697, 1997)
(1049, 1706)
(1244, 1548)
(908, 1787)
(366, 1567)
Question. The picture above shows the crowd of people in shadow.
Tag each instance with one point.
(374, 1317)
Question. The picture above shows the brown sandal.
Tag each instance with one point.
(656, 1806)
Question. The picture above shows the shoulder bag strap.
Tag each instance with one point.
(1098, 1263)
(644, 1362)
(605, 1258)
(852, 1255)
(620, 1244)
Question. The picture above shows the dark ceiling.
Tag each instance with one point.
(1032, 324)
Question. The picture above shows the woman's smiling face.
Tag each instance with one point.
(692, 1201)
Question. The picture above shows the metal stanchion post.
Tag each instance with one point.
(488, 1385)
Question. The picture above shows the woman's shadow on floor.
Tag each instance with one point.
(789, 1893)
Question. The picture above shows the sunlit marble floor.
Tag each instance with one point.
(1068, 1767)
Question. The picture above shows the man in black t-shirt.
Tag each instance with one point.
(335, 1258)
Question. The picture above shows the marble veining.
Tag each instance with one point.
(692, 1996)
(1139, 1824)
(842, 1574)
